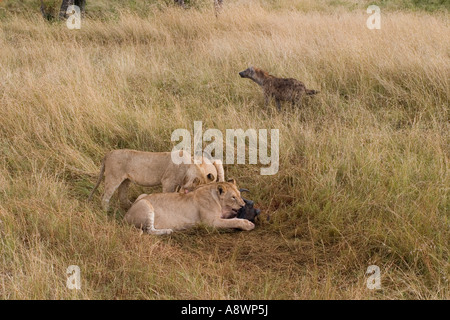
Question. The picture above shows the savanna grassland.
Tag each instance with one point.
(364, 165)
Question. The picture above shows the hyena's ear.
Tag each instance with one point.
(232, 181)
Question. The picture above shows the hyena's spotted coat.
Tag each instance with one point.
(280, 89)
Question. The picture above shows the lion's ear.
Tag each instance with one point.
(220, 189)
(210, 177)
(232, 181)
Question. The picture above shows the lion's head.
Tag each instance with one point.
(213, 169)
(229, 198)
(193, 178)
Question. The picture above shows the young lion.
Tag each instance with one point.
(215, 204)
(149, 169)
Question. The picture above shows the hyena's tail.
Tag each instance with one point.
(311, 92)
(100, 176)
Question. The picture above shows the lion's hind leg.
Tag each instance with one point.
(151, 226)
(142, 215)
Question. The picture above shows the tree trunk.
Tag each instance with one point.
(180, 3)
(66, 3)
(45, 14)
(218, 7)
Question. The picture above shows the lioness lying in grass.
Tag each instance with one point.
(214, 204)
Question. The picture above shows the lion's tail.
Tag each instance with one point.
(100, 176)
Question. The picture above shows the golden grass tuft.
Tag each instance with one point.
(364, 166)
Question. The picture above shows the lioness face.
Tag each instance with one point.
(230, 199)
(193, 178)
(190, 184)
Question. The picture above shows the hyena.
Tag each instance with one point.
(281, 89)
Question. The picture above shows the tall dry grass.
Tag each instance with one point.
(363, 166)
